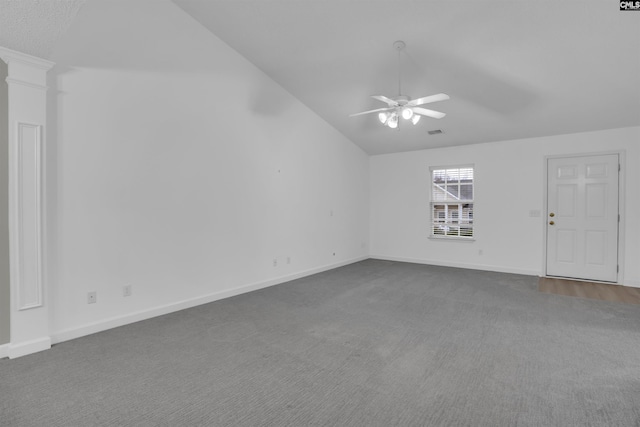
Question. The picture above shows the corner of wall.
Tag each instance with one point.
(4, 207)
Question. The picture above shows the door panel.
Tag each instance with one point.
(566, 201)
(565, 246)
(596, 195)
(596, 246)
(582, 221)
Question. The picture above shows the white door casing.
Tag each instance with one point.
(582, 217)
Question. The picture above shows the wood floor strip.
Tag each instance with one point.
(591, 290)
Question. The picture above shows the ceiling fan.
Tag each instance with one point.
(403, 106)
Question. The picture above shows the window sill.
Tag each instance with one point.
(453, 238)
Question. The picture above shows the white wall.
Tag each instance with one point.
(177, 167)
(4, 206)
(509, 182)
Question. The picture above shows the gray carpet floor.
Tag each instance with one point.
(374, 343)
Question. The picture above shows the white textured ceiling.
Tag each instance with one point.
(34, 26)
(514, 69)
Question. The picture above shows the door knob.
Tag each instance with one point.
(552, 214)
(551, 222)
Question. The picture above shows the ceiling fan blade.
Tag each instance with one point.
(383, 98)
(371, 111)
(428, 99)
(428, 113)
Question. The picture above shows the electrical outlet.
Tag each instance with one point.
(126, 291)
(288, 260)
(275, 262)
(92, 297)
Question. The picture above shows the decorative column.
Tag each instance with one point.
(29, 317)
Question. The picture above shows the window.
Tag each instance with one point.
(452, 202)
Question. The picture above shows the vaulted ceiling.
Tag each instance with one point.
(513, 69)
(34, 26)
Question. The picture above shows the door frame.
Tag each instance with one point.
(621, 208)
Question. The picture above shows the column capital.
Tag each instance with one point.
(10, 56)
(25, 69)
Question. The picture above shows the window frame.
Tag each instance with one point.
(444, 218)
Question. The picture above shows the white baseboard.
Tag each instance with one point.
(4, 351)
(114, 322)
(632, 283)
(28, 347)
(459, 265)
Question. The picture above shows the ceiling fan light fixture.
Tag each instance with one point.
(393, 121)
(407, 113)
(402, 105)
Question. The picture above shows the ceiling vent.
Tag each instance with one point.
(435, 132)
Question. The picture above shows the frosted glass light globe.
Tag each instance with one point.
(407, 113)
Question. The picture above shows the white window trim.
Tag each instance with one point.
(444, 202)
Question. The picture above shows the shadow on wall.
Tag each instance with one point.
(5, 291)
(54, 192)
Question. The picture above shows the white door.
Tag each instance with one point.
(582, 217)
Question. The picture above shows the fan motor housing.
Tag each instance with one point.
(402, 99)
(399, 45)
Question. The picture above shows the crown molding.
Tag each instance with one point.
(8, 55)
